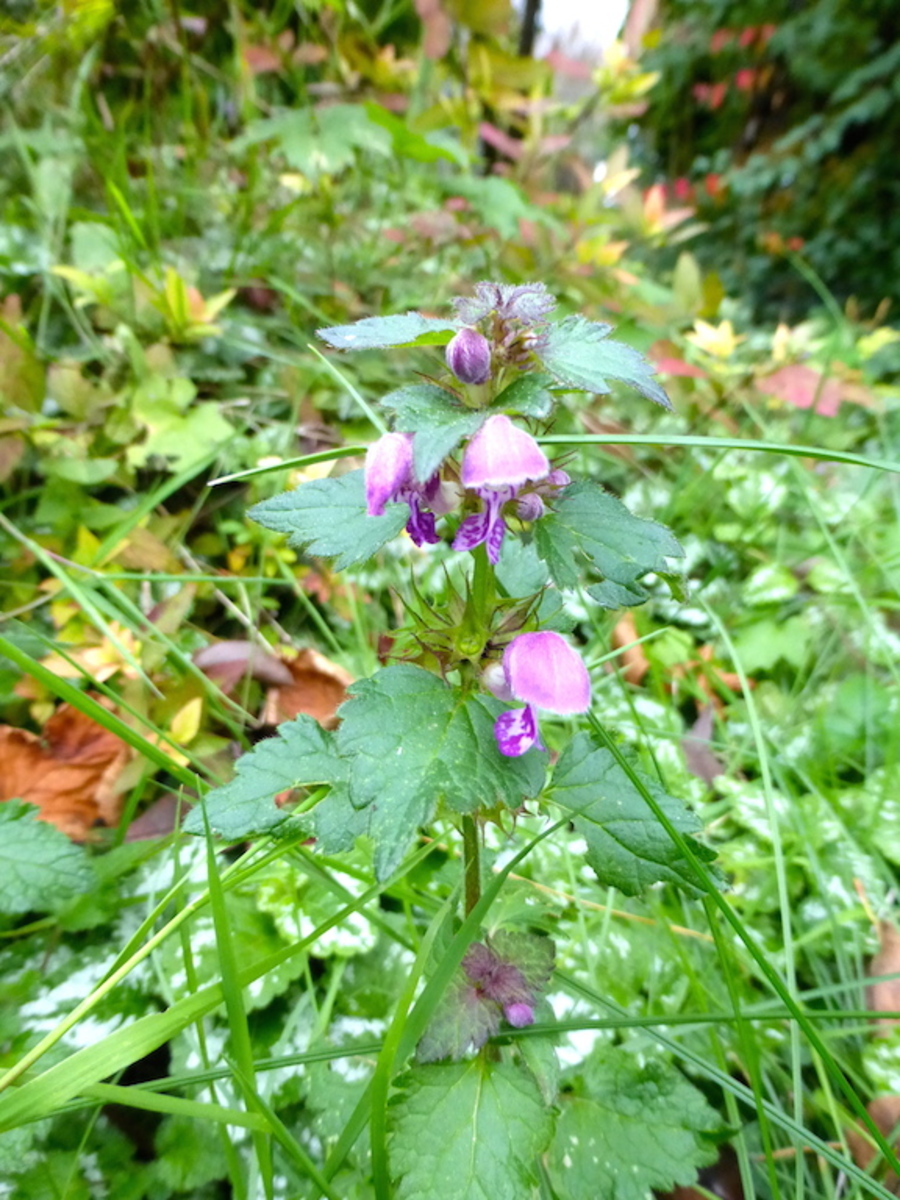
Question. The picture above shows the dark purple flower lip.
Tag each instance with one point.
(390, 477)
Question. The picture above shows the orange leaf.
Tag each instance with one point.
(319, 687)
(70, 773)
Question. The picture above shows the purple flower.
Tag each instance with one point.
(519, 1015)
(544, 671)
(390, 477)
(469, 356)
(498, 461)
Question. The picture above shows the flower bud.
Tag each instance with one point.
(519, 1015)
(542, 669)
(502, 455)
(469, 356)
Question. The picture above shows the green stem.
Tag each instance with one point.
(471, 862)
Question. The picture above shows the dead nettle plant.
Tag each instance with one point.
(453, 727)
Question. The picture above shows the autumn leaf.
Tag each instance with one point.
(70, 773)
(318, 688)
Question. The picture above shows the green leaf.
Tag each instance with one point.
(618, 595)
(374, 333)
(299, 755)
(40, 869)
(318, 141)
(589, 523)
(407, 143)
(577, 353)
(415, 742)
(528, 396)
(463, 1020)
(499, 203)
(633, 1129)
(627, 847)
(338, 822)
(328, 517)
(437, 419)
(469, 1131)
(177, 432)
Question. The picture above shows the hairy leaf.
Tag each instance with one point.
(577, 353)
(437, 419)
(463, 1020)
(328, 517)
(630, 1130)
(415, 742)
(40, 869)
(528, 396)
(299, 755)
(627, 847)
(375, 333)
(468, 1131)
(589, 524)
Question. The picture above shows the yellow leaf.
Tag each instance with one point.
(186, 722)
(718, 340)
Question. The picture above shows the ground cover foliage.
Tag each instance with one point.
(293, 997)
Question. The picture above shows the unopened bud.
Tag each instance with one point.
(469, 356)
(519, 1014)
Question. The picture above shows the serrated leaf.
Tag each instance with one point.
(632, 1130)
(437, 419)
(328, 517)
(618, 595)
(529, 396)
(414, 742)
(468, 1131)
(374, 333)
(627, 847)
(579, 354)
(40, 869)
(533, 954)
(299, 755)
(588, 523)
(337, 822)
(463, 1020)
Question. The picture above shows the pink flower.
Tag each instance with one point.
(544, 671)
(390, 477)
(498, 461)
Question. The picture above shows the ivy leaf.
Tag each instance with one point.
(472, 1130)
(299, 755)
(328, 517)
(528, 396)
(577, 353)
(632, 1130)
(588, 522)
(377, 333)
(40, 869)
(437, 419)
(414, 742)
(627, 847)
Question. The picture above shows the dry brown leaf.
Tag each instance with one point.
(70, 773)
(229, 661)
(319, 687)
(699, 757)
(885, 996)
(885, 1112)
(634, 660)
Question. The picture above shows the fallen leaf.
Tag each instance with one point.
(885, 1112)
(318, 687)
(633, 658)
(884, 996)
(229, 661)
(699, 757)
(159, 820)
(70, 772)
